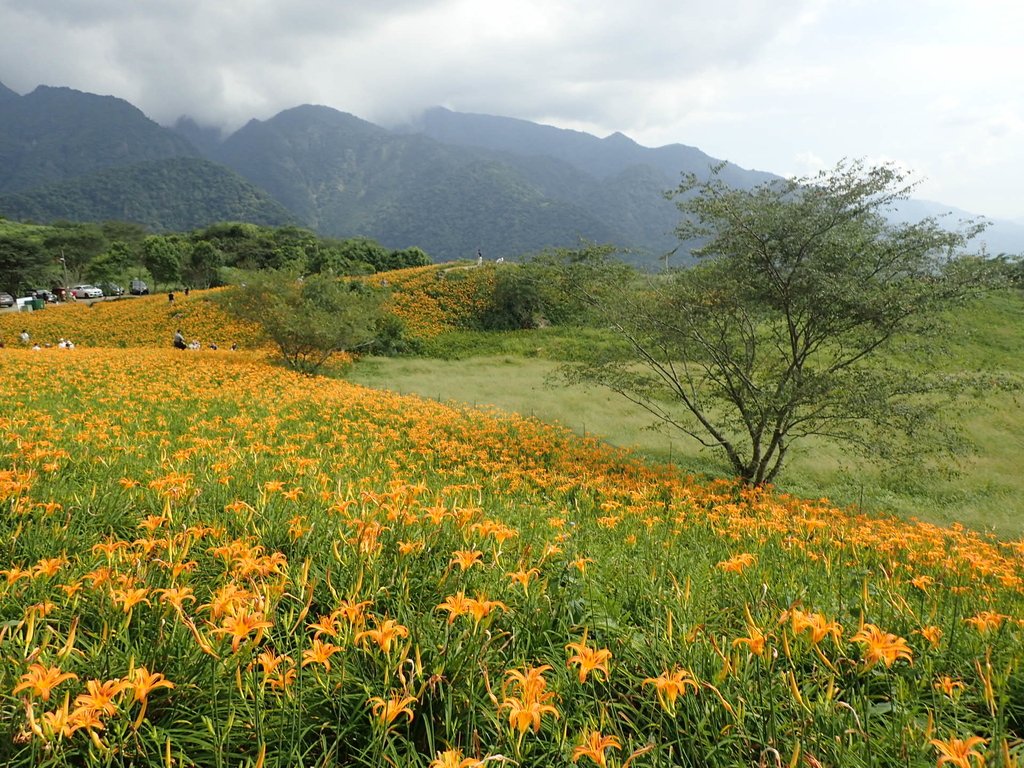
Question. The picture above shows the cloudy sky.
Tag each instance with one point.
(788, 86)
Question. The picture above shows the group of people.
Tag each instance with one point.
(179, 343)
(26, 341)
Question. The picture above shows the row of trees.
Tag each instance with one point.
(42, 256)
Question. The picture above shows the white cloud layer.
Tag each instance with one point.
(782, 85)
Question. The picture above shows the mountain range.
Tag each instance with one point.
(448, 182)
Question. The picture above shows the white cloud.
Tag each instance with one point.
(779, 85)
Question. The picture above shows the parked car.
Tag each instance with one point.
(138, 288)
(6, 300)
(111, 289)
(86, 292)
(48, 296)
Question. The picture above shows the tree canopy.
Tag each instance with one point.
(308, 318)
(773, 337)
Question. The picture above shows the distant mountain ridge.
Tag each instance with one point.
(448, 182)
(54, 134)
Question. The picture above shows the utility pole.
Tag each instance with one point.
(64, 264)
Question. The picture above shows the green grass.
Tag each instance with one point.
(985, 490)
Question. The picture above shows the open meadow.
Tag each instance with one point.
(207, 560)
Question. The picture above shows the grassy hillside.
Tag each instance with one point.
(516, 372)
(210, 561)
(137, 321)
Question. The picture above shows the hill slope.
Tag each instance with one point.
(177, 194)
(54, 134)
(321, 574)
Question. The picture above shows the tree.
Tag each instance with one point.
(23, 264)
(111, 264)
(775, 335)
(309, 319)
(204, 263)
(162, 256)
(76, 245)
(365, 250)
(405, 258)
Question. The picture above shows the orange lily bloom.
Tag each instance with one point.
(949, 686)
(145, 682)
(452, 758)
(388, 710)
(594, 746)
(589, 659)
(384, 635)
(466, 558)
(986, 621)
(882, 646)
(738, 563)
(456, 605)
(671, 685)
(101, 695)
(481, 607)
(320, 653)
(41, 680)
(523, 578)
(241, 625)
(532, 703)
(960, 752)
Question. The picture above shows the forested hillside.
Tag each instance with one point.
(164, 196)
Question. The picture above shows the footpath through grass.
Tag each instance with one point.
(208, 561)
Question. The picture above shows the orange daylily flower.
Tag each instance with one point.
(456, 605)
(589, 659)
(523, 578)
(738, 563)
(932, 634)
(351, 611)
(101, 695)
(384, 635)
(129, 598)
(986, 621)
(145, 682)
(41, 680)
(480, 607)
(532, 702)
(960, 752)
(949, 686)
(594, 746)
(241, 625)
(815, 624)
(388, 710)
(452, 758)
(466, 558)
(671, 685)
(320, 653)
(882, 646)
(176, 596)
(325, 625)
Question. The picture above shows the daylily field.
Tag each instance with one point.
(206, 560)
